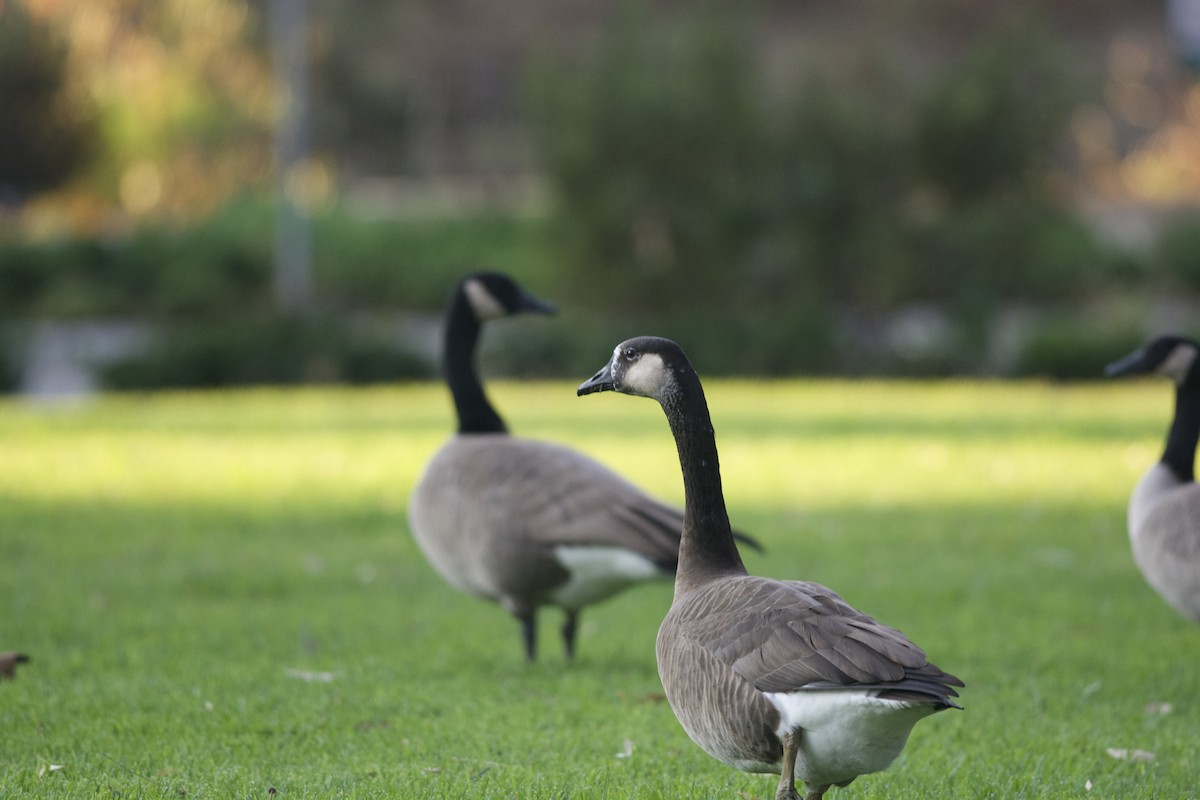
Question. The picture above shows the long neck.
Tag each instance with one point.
(707, 550)
(475, 413)
(1180, 452)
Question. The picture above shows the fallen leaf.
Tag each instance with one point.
(46, 769)
(310, 677)
(1088, 785)
(1159, 708)
(627, 751)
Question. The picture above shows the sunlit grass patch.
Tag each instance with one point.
(221, 597)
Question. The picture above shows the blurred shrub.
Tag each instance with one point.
(991, 119)
(1177, 251)
(656, 150)
(224, 264)
(682, 195)
(263, 350)
(1075, 348)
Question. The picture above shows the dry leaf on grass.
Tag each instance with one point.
(1123, 754)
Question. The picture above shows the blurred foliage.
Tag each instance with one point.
(779, 212)
(994, 120)
(176, 94)
(222, 266)
(46, 130)
(1075, 348)
(264, 349)
(1177, 254)
(655, 149)
(678, 183)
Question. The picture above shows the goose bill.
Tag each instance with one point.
(1134, 362)
(602, 381)
(529, 303)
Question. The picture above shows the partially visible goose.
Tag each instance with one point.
(1164, 511)
(767, 675)
(526, 523)
(8, 663)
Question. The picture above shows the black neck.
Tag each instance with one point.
(707, 549)
(475, 413)
(1180, 452)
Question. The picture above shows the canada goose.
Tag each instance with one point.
(767, 675)
(1164, 511)
(8, 664)
(526, 523)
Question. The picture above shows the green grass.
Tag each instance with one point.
(177, 564)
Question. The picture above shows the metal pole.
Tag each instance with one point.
(293, 236)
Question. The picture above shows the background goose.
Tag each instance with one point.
(767, 675)
(1164, 511)
(9, 662)
(526, 523)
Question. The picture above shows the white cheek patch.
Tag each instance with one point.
(646, 376)
(483, 302)
(1177, 364)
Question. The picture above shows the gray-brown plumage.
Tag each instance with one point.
(525, 523)
(8, 664)
(1164, 511)
(767, 675)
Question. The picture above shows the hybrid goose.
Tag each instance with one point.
(1164, 511)
(526, 523)
(767, 675)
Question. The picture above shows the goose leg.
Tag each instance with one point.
(529, 635)
(568, 633)
(787, 773)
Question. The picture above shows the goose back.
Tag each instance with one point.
(516, 504)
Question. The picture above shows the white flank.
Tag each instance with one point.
(599, 572)
(846, 732)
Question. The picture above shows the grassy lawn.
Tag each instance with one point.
(221, 597)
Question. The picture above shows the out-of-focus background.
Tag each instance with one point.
(218, 192)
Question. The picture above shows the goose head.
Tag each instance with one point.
(646, 366)
(492, 295)
(1172, 356)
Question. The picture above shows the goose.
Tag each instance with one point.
(767, 675)
(525, 523)
(1164, 510)
(8, 664)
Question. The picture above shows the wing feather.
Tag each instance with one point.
(789, 635)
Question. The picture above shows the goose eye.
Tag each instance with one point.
(630, 353)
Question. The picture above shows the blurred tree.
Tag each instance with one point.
(991, 120)
(655, 148)
(182, 98)
(47, 127)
